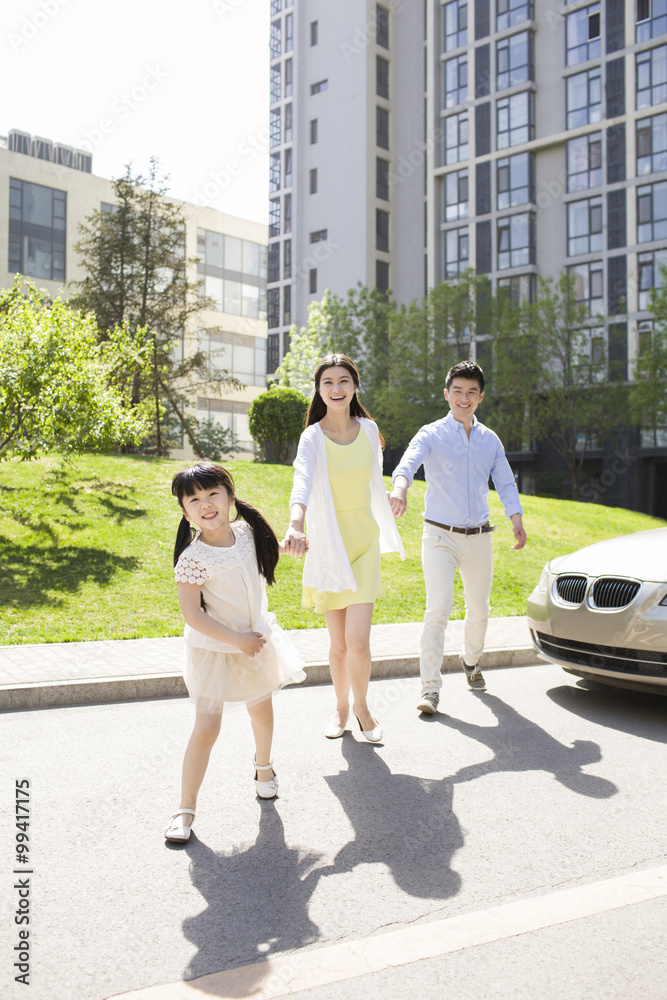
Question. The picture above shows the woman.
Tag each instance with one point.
(338, 480)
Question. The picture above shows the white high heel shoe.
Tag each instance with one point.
(333, 730)
(265, 789)
(372, 735)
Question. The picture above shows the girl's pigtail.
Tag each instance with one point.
(183, 538)
(266, 543)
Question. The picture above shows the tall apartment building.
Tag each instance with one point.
(412, 139)
(47, 190)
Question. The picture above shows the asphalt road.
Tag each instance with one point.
(537, 785)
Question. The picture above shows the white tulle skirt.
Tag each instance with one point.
(213, 677)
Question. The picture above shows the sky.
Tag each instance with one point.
(185, 82)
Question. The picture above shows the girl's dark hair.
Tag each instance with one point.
(317, 408)
(206, 476)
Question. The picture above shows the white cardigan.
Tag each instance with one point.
(327, 566)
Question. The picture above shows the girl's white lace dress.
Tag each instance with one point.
(235, 595)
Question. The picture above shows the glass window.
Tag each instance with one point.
(289, 32)
(274, 172)
(515, 241)
(511, 12)
(232, 297)
(382, 77)
(652, 145)
(516, 289)
(37, 230)
(313, 181)
(276, 6)
(584, 98)
(314, 32)
(456, 251)
(313, 131)
(233, 254)
(382, 178)
(288, 123)
(317, 88)
(456, 24)
(288, 168)
(382, 128)
(652, 212)
(319, 236)
(650, 274)
(274, 263)
(584, 226)
(652, 77)
(312, 281)
(287, 259)
(651, 19)
(514, 180)
(589, 286)
(287, 305)
(583, 35)
(287, 206)
(382, 31)
(250, 301)
(514, 120)
(513, 60)
(275, 83)
(456, 195)
(273, 307)
(456, 138)
(288, 78)
(584, 162)
(382, 230)
(250, 262)
(456, 81)
(382, 275)
(274, 127)
(275, 44)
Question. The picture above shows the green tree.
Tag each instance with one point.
(276, 418)
(559, 353)
(216, 442)
(296, 369)
(137, 275)
(648, 391)
(60, 388)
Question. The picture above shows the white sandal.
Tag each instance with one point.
(265, 789)
(179, 832)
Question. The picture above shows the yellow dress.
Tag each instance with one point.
(350, 468)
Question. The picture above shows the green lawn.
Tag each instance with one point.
(85, 549)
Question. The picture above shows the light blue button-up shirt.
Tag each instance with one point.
(457, 472)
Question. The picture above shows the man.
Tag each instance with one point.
(458, 454)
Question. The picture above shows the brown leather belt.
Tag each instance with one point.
(463, 531)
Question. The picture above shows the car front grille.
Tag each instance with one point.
(571, 589)
(618, 658)
(611, 592)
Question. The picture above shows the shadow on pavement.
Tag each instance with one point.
(630, 712)
(520, 745)
(401, 821)
(257, 902)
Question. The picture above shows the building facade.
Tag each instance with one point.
(413, 139)
(47, 191)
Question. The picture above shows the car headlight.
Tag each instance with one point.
(663, 602)
(543, 582)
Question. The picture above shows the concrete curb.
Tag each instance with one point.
(108, 690)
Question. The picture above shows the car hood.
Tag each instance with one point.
(642, 555)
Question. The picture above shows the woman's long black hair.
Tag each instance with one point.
(318, 407)
(206, 476)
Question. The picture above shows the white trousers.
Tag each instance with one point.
(443, 552)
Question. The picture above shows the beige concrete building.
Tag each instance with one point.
(47, 191)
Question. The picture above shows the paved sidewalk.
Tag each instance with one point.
(73, 673)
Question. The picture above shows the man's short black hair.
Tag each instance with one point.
(466, 369)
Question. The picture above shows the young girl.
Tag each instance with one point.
(338, 479)
(235, 650)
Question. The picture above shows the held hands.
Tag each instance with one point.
(398, 502)
(295, 542)
(250, 642)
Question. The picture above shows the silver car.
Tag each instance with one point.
(601, 612)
